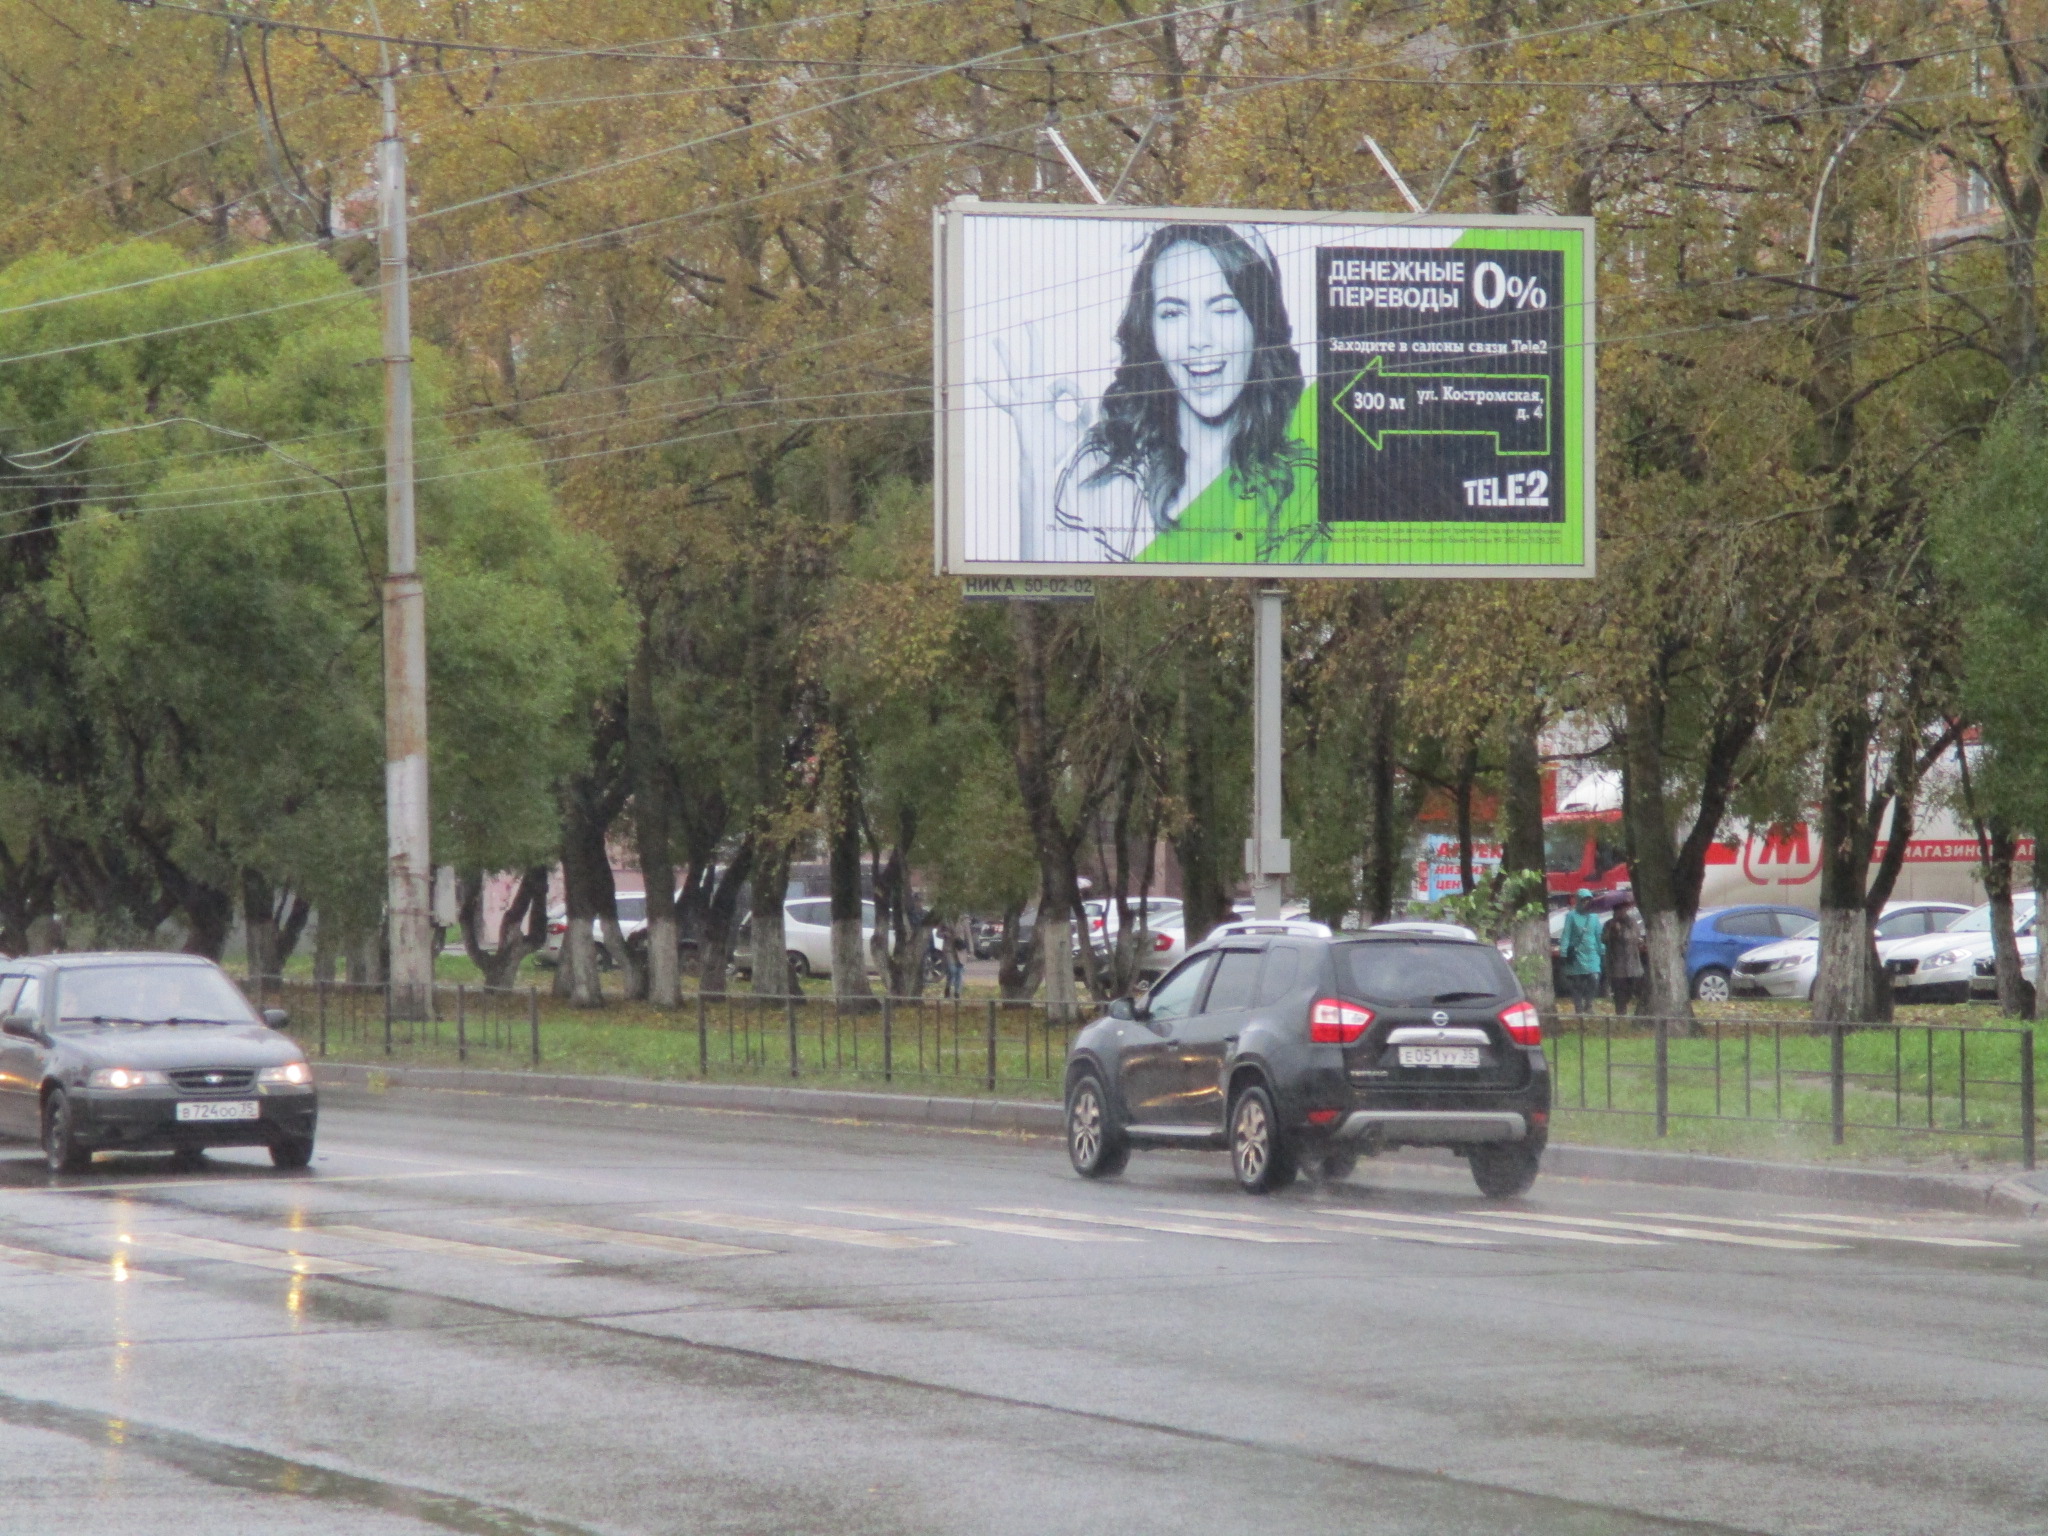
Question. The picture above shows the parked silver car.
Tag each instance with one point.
(1787, 969)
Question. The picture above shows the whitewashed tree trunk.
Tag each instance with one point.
(664, 969)
(1668, 990)
(771, 954)
(849, 960)
(632, 979)
(1056, 945)
(1847, 980)
(579, 959)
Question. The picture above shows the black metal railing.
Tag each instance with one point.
(1971, 1082)
(981, 1042)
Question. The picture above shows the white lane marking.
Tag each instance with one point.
(974, 1224)
(446, 1246)
(1440, 1238)
(1693, 1234)
(1606, 1238)
(684, 1247)
(1181, 1228)
(1819, 1231)
(189, 1246)
(254, 1179)
(1875, 1221)
(75, 1269)
(771, 1226)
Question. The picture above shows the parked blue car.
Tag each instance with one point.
(1722, 935)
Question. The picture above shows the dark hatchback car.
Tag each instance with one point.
(1291, 1047)
(146, 1053)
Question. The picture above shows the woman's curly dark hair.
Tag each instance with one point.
(1138, 432)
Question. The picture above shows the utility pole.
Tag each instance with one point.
(1268, 857)
(409, 890)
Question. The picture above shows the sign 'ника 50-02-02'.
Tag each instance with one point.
(1227, 393)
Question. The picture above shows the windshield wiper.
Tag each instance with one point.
(1458, 997)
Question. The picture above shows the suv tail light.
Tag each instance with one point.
(1332, 1022)
(1162, 941)
(1523, 1023)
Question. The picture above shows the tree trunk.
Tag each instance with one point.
(1846, 984)
(1019, 967)
(1998, 841)
(1385, 855)
(654, 832)
(771, 949)
(259, 923)
(521, 931)
(584, 864)
(1652, 847)
(849, 946)
(1055, 951)
(1468, 775)
(714, 956)
(1522, 852)
(1203, 834)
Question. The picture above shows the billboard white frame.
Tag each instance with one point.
(958, 391)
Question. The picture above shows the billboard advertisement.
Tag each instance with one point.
(1217, 392)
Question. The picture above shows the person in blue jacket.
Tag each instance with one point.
(1578, 947)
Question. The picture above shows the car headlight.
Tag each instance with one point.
(294, 1072)
(125, 1077)
(1947, 957)
(1784, 964)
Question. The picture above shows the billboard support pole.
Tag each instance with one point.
(1267, 855)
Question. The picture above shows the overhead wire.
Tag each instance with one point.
(1907, 258)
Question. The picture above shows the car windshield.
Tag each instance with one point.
(149, 994)
(1410, 974)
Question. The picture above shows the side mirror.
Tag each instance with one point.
(276, 1018)
(23, 1026)
(1122, 1008)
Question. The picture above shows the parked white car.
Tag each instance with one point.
(1165, 922)
(807, 933)
(1787, 969)
(1984, 977)
(632, 920)
(1942, 967)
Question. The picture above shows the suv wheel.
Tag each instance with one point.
(1096, 1146)
(1260, 1152)
(1503, 1170)
(61, 1148)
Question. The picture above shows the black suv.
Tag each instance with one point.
(1291, 1046)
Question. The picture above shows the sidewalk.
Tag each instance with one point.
(1994, 1194)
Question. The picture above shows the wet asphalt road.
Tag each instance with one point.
(484, 1315)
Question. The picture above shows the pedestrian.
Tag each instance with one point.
(953, 950)
(1624, 951)
(1578, 946)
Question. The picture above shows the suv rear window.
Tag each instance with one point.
(1411, 974)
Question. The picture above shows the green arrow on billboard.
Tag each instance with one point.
(1511, 408)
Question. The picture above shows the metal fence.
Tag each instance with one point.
(984, 1042)
(1972, 1083)
(1928, 1080)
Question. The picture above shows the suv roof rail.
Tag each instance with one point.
(1295, 927)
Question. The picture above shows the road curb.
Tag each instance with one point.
(1978, 1194)
(1021, 1117)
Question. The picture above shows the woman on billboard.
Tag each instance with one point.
(1201, 410)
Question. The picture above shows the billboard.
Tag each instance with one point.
(1216, 392)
